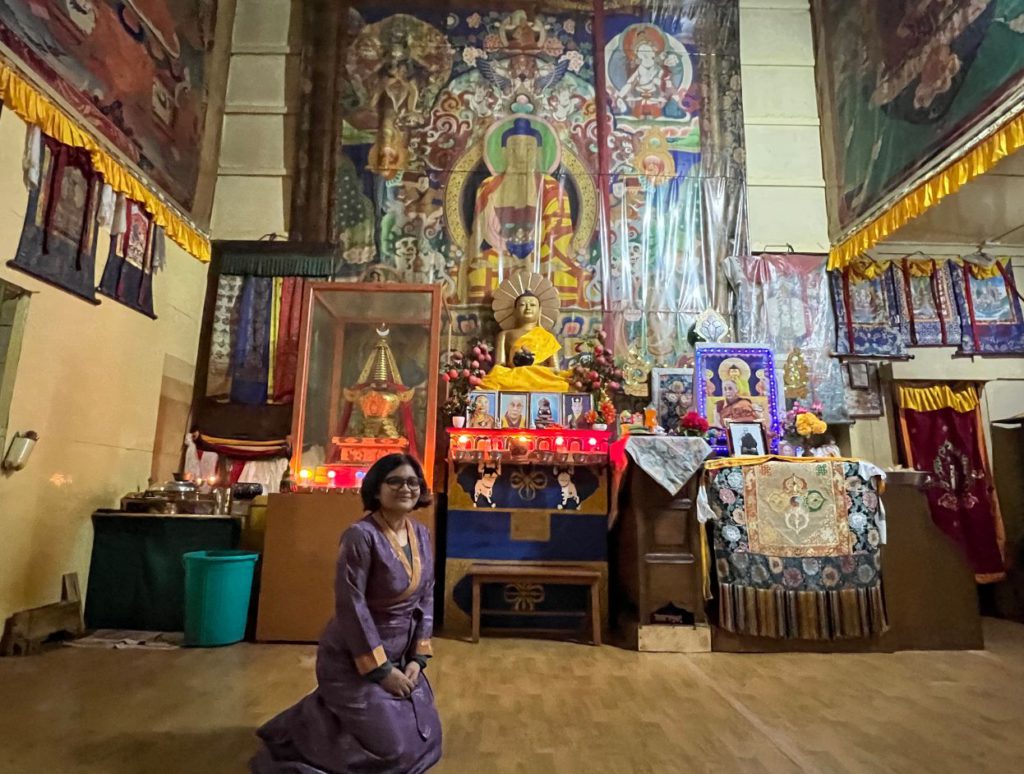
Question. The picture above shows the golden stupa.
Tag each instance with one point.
(378, 393)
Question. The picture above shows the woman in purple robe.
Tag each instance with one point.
(373, 709)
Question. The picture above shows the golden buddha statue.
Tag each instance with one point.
(526, 354)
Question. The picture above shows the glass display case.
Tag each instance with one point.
(367, 380)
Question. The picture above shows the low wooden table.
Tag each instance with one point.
(515, 573)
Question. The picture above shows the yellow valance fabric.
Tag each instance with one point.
(984, 272)
(921, 268)
(732, 462)
(35, 108)
(948, 180)
(962, 398)
(867, 269)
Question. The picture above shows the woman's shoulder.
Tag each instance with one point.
(362, 531)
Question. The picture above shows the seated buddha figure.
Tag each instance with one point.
(526, 354)
(522, 217)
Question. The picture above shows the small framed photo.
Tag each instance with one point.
(859, 374)
(863, 402)
(545, 410)
(746, 439)
(672, 395)
(514, 410)
(575, 406)
(482, 409)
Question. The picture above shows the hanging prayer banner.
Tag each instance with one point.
(131, 70)
(942, 435)
(796, 548)
(924, 288)
(867, 310)
(128, 275)
(907, 80)
(989, 307)
(784, 303)
(58, 240)
(602, 149)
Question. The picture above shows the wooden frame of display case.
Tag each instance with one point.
(313, 293)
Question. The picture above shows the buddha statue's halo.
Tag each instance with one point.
(520, 283)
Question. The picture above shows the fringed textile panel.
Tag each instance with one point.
(989, 309)
(58, 241)
(942, 435)
(796, 549)
(867, 310)
(134, 254)
(927, 304)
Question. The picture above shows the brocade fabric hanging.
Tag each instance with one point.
(128, 274)
(942, 435)
(58, 240)
(867, 310)
(989, 305)
(927, 303)
(796, 547)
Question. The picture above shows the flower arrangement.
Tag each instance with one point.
(593, 368)
(803, 421)
(693, 424)
(462, 371)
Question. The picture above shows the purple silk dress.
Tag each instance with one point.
(384, 611)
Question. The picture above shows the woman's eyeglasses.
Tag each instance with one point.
(397, 482)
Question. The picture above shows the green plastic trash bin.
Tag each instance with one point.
(217, 589)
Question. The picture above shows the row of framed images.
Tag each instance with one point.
(527, 410)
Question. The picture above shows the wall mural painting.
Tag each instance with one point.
(469, 149)
(908, 78)
(132, 69)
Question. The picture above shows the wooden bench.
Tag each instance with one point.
(565, 575)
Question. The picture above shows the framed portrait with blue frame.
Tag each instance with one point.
(737, 383)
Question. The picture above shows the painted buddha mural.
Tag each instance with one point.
(522, 218)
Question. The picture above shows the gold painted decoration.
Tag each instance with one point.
(636, 371)
(795, 375)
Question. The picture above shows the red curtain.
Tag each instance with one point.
(946, 441)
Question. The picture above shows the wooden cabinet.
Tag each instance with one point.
(659, 566)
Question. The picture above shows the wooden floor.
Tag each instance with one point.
(534, 706)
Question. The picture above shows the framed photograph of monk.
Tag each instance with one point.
(514, 410)
(746, 439)
(737, 383)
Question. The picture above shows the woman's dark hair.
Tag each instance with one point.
(382, 468)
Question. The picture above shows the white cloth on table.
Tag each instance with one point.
(671, 460)
(267, 473)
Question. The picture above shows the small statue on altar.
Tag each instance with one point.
(526, 355)
(380, 397)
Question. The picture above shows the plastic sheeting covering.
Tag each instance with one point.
(598, 144)
(783, 301)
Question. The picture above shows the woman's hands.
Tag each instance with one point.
(398, 683)
(412, 671)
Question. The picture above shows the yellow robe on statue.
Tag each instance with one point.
(531, 378)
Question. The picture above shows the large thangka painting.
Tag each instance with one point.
(470, 145)
(906, 79)
(132, 69)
